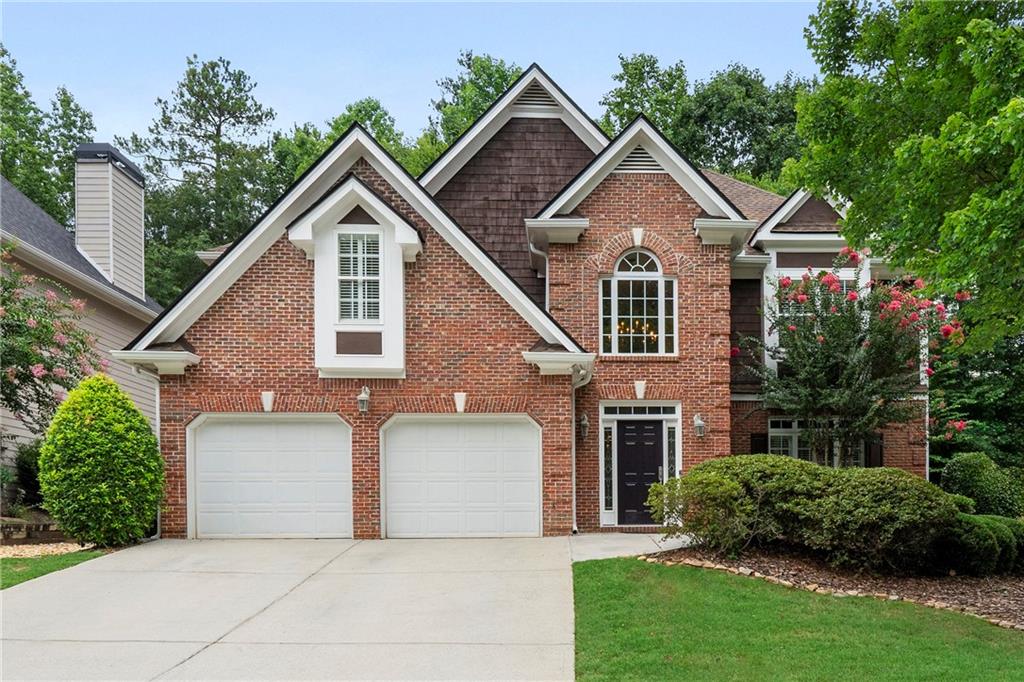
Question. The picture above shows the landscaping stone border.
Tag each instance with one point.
(818, 589)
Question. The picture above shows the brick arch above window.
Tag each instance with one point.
(672, 261)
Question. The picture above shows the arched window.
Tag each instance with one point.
(638, 307)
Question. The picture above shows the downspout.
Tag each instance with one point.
(540, 254)
(581, 376)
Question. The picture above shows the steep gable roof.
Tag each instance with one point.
(31, 228)
(641, 132)
(800, 213)
(354, 144)
(533, 94)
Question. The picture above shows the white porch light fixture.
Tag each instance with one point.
(363, 400)
(699, 426)
(267, 398)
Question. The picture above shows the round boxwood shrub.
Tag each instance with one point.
(970, 546)
(963, 503)
(705, 506)
(1003, 529)
(100, 469)
(993, 490)
(882, 519)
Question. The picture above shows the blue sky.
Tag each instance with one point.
(310, 60)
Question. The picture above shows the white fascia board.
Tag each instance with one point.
(456, 156)
(553, 363)
(723, 230)
(160, 361)
(802, 241)
(556, 230)
(641, 132)
(342, 200)
(63, 272)
(356, 144)
(781, 214)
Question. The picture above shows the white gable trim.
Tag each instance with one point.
(343, 199)
(641, 132)
(464, 148)
(781, 214)
(332, 165)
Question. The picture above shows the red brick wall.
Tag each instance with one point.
(699, 376)
(903, 445)
(460, 336)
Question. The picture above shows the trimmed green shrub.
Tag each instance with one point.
(970, 546)
(993, 490)
(963, 503)
(880, 518)
(1016, 527)
(779, 489)
(1006, 541)
(708, 507)
(26, 466)
(100, 470)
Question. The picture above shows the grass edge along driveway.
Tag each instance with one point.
(636, 620)
(16, 570)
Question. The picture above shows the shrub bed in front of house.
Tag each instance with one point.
(878, 519)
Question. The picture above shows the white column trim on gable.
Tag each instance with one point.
(355, 144)
(505, 108)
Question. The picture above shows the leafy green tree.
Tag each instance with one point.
(735, 122)
(919, 124)
(977, 404)
(850, 356)
(466, 95)
(23, 140)
(295, 151)
(209, 176)
(67, 126)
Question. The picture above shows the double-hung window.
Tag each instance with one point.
(358, 277)
(638, 307)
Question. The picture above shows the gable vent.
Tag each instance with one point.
(639, 161)
(536, 96)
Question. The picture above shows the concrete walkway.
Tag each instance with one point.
(306, 609)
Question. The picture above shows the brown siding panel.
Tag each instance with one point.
(746, 320)
(511, 178)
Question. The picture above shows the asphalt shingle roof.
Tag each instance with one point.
(26, 222)
(755, 203)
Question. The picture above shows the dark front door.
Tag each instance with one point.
(640, 453)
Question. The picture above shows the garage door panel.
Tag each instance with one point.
(273, 478)
(462, 477)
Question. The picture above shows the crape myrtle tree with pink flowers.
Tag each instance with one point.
(849, 358)
(43, 351)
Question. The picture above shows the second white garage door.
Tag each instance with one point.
(462, 477)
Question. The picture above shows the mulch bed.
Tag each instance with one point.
(998, 599)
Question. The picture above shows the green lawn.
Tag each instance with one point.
(636, 620)
(14, 571)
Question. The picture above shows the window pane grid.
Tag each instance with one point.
(359, 277)
(608, 469)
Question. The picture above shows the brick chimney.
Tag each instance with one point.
(109, 205)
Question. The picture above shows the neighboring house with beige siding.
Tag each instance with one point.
(102, 262)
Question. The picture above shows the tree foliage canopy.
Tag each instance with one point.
(919, 124)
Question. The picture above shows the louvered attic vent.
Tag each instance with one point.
(536, 96)
(639, 161)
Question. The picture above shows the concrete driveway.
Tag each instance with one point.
(291, 609)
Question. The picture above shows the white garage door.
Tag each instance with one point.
(457, 477)
(273, 477)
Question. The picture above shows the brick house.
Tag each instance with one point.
(518, 342)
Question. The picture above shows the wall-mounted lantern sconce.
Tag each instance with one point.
(699, 427)
(584, 425)
(363, 400)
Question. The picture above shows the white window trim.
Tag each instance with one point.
(793, 433)
(611, 517)
(617, 276)
(370, 324)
